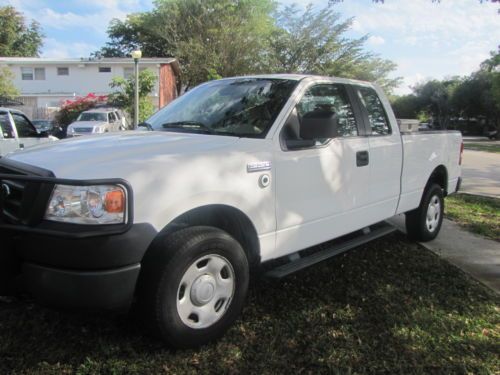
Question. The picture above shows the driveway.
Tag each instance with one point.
(481, 173)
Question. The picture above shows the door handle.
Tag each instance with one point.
(362, 158)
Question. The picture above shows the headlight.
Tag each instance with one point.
(98, 129)
(99, 204)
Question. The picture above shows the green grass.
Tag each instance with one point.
(477, 214)
(388, 307)
(488, 147)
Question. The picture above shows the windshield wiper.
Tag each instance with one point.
(188, 125)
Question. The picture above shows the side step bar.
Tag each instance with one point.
(301, 263)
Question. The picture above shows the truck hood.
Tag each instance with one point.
(108, 155)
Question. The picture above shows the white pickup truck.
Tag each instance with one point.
(238, 174)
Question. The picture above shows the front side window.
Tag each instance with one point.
(7, 130)
(243, 107)
(375, 110)
(104, 69)
(23, 126)
(330, 98)
(112, 117)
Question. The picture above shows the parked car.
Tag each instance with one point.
(237, 174)
(96, 121)
(49, 127)
(18, 131)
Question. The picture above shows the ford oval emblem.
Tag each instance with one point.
(5, 191)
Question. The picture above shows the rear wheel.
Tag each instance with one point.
(424, 223)
(196, 287)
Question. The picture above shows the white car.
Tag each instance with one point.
(96, 121)
(17, 132)
(238, 174)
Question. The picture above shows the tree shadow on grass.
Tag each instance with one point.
(389, 306)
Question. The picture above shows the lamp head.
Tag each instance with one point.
(137, 54)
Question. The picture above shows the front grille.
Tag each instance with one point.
(22, 201)
(83, 130)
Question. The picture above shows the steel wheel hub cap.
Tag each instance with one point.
(205, 291)
(433, 214)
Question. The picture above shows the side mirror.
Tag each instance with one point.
(319, 124)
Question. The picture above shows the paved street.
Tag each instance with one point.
(481, 173)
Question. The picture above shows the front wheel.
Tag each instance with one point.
(196, 287)
(424, 223)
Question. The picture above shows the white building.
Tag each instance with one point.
(44, 83)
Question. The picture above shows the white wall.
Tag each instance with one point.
(82, 79)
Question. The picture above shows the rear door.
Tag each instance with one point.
(8, 140)
(386, 153)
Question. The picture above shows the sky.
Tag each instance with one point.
(425, 39)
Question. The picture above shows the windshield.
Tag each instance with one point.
(245, 107)
(92, 116)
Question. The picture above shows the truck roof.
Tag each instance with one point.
(298, 77)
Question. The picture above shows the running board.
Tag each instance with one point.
(301, 263)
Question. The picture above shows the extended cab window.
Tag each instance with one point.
(7, 130)
(23, 126)
(375, 111)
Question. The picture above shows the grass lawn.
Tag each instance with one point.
(483, 147)
(387, 307)
(480, 215)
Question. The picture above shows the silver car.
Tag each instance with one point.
(97, 121)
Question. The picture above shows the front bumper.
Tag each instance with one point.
(65, 265)
(94, 273)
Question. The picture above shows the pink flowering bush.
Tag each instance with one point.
(71, 108)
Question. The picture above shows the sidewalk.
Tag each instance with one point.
(477, 256)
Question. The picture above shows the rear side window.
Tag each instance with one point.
(375, 111)
(7, 130)
(23, 126)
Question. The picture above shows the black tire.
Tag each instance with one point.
(417, 226)
(160, 284)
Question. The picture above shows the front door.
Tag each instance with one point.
(321, 186)
(26, 132)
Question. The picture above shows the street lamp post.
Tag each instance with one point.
(136, 55)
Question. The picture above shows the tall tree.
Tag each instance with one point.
(312, 41)
(210, 37)
(17, 37)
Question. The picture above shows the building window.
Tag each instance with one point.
(63, 71)
(27, 74)
(104, 69)
(40, 74)
(128, 72)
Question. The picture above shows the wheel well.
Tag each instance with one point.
(226, 218)
(440, 176)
